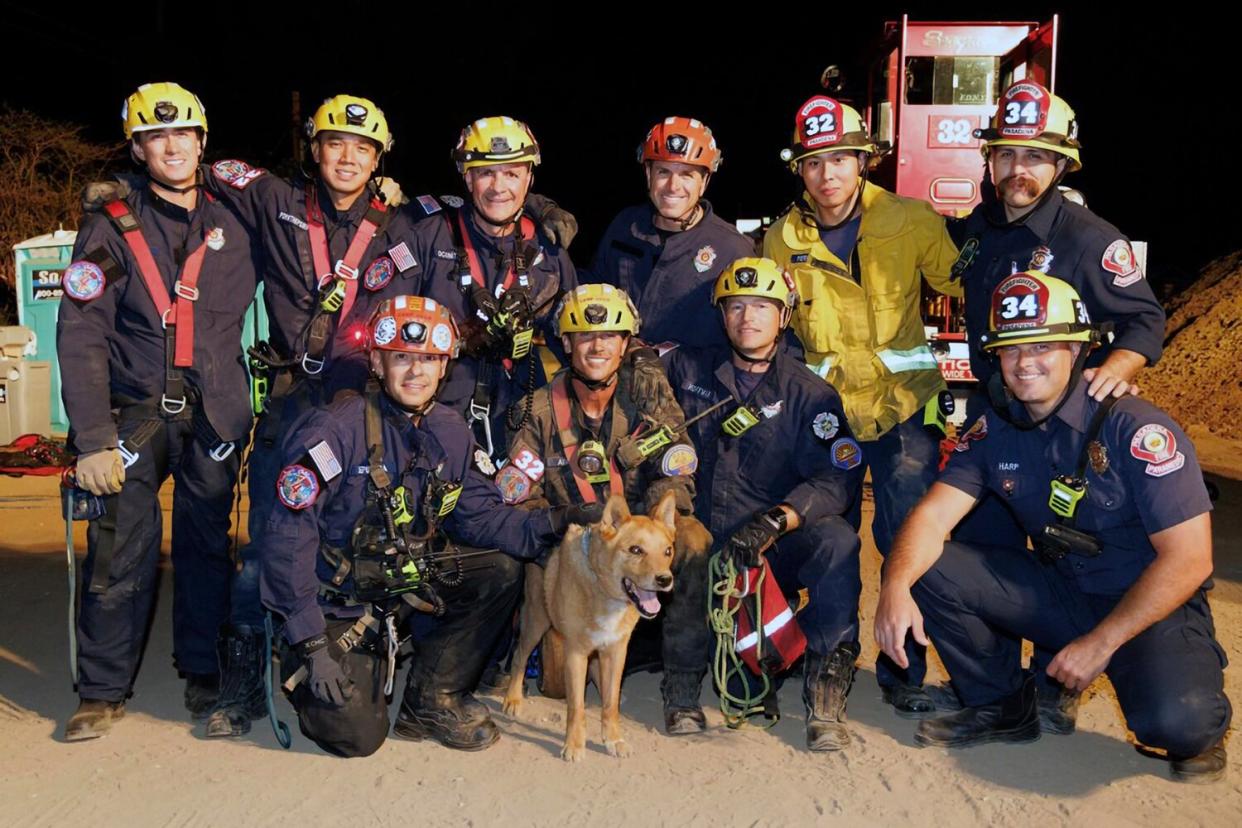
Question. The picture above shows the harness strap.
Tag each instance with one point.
(569, 443)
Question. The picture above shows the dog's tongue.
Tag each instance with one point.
(648, 602)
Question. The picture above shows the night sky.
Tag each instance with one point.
(1154, 98)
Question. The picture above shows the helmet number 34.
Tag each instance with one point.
(1022, 112)
(1014, 306)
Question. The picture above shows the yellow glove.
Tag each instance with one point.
(391, 191)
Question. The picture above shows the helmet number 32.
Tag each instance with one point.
(1014, 306)
(820, 123)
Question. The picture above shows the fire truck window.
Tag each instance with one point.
(948, 81)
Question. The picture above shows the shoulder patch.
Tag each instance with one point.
(484, 463)
(83, 281)
(456, 202)
(513, 484)
(429, 204)
(237, 174)
(297, 487)
(402, 257)
(325, 460)
(977, 431)
(526, 460)
(846, 454)
(680, 460)
(1119, 260)
(379, 274)
(826, 425)
(1156, 446)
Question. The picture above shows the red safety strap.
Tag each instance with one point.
(347, 267)
(527, 230)
(569, 441)
(186, 287)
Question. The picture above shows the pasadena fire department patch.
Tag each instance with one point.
(976, 432)
(1119, 260)
(1156, 446)
(237, 174)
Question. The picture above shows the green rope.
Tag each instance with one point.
(724, 603)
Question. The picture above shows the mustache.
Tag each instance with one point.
(1020, 184)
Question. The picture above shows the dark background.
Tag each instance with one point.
(1156, 94)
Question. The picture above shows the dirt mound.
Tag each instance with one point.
(1198, 379)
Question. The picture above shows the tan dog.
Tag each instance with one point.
(594, 588)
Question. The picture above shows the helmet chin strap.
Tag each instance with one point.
(164, 185)
(592, 385)
(688, 218)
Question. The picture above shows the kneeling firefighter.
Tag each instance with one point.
(375, 492)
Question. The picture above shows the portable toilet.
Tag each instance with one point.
(41, 262)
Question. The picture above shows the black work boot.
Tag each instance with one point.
(495, 679)
(93, 719)
(908, 701)
(1208, 766)
(454, 719)
(682, 713)
(243, 697)
(826, 683)
(1014, 718)
(1058, 710)
(202, 691)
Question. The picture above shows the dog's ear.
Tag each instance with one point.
(616, 512)
(666, 511)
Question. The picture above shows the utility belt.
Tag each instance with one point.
(152, 413)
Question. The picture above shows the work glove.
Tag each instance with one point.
(562, 517)
(98, 193)
(326, 678)
(516, 311)
(558, 225)
(101, 472)
(391, 191)
(648, 382)
(750, 542)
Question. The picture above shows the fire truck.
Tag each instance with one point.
(931, 85)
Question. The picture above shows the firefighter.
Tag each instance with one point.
(494, 268)
(856, 253)
(588, 435)
(1117, 583)
(1030, 145)
(370, 487)
(331, 253)
(667, 254)
(149, 344)
(779, 474)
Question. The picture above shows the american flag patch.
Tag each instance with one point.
(402, 257)
(429, 204)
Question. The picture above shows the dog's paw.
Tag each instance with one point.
(571, 753)
(619, 748)
(511, 706)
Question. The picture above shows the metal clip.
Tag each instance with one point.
(221, 452)
(128, 458)
(344, 271)
(172, 406)
(308, 361)
(190, 294)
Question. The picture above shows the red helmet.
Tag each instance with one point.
(415, 325)
(683, 140)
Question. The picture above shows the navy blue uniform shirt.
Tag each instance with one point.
(1068, 241)
(111, 345)
(801, 452)
(323, 488)
(670, 281)
(1144, 478)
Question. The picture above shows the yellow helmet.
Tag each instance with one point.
(596, 308)
(753, 276)
(1033, 307)
(496, 140)
(348, 113)
(825, 124)
(1028, 115)
(160, 106)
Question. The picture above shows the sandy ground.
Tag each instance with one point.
(157, 769)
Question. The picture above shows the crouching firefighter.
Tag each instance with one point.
(376, 493)
(588, 436)
(778, 472)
